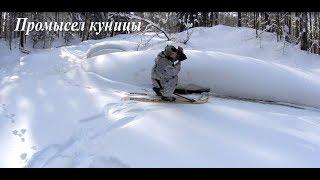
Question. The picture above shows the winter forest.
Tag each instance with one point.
(177, 89)
(299, 28)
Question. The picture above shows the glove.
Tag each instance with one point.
(180, 55)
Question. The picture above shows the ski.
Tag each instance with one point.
(145, 97)
(218, 96)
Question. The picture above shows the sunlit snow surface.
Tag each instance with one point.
(63, 107)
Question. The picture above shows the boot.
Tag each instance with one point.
(157, 91)
(170, 99)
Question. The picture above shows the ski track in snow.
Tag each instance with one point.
(76, 151)
(12, 78)
(79, 151)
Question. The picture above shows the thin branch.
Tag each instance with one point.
(131, 16)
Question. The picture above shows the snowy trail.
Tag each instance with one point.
(78, 151)
(81, 149)
(56, 113)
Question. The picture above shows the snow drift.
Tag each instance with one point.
(225, 74)
(111, 46)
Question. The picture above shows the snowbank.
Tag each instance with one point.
(224, 73)
(111, 46)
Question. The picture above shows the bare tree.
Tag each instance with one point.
(150, 23)
(294, 27)
(239, 19)
(1, 25)
(304, 33)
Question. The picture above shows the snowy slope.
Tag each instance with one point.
(60, 109)
(225, 74)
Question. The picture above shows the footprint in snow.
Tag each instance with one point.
(4, 112)
(107, 162)
(10, 117)
(15, 132)
(20, 134)
(23, 156)
(3, 108)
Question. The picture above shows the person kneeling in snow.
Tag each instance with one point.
(164, 73)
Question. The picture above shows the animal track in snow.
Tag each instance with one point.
(6, 114)
(23, 156)
(20, 134)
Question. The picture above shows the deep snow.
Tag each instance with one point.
(62, 109)
(225, 74)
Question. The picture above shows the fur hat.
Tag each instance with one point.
(169, 49)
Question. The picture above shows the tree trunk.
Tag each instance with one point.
(57, 20)
(21, 33)
(297, 25)
(239, 19)
(1, 25)
(85, 34)
(255, 23)
(194, 17)
(289, 24)
(10, 30)
(311, 32)
(267, 21)
(182, 17)
(205, 19)
(318, 31)
(216, 22)
(5, 27)
(278, 27)
(254, 20)
(21, 39)
(215, 18)
(304, 35)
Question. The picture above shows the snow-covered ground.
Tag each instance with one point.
(63, 107)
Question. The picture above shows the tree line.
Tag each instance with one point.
(299, 28)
